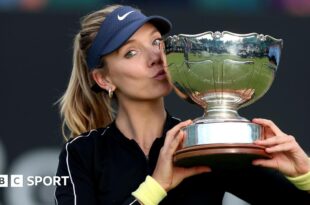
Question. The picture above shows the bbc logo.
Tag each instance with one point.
(15, 181)
(20, 180)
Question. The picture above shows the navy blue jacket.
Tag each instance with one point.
(105, 167)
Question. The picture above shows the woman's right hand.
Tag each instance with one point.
(165, 173)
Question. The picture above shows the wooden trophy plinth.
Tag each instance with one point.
(222, 155)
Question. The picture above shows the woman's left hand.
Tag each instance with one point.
(287, 156)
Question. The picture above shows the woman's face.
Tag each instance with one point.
(137, 68)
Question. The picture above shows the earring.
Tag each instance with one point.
(110, 93)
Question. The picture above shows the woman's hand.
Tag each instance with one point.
(287, 156)
(165, 173)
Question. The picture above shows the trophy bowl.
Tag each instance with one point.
(221, 72)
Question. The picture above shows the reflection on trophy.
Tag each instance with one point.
(221, 72)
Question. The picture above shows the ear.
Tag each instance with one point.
(103, 79)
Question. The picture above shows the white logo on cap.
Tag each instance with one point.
(120, 18)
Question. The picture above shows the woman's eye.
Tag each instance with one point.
(130, 54)
(157, 42)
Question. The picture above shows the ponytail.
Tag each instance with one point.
(81, 108)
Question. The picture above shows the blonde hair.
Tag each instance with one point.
(81, 108)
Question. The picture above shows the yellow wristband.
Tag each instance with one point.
(301, 182)
(150, 192)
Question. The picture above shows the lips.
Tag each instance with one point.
(160, 75)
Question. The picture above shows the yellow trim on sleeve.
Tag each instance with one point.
(150, 192)
(301, 182)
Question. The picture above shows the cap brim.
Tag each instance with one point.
(162, 24)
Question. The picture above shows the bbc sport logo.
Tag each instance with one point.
(21, 181)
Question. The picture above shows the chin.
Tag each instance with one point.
(165, 89)
(158, 93)
(168, 91)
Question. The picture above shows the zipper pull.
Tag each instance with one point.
(147, 158)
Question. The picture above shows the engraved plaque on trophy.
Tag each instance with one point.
(221, 72)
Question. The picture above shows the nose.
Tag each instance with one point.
(155, 55)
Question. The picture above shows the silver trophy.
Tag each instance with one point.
(221, 72)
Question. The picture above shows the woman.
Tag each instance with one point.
(125, 157)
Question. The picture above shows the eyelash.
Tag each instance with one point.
(131, 53)
(160, 40)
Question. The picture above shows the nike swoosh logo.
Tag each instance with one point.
(120, 18)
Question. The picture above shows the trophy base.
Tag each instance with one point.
(222, 155)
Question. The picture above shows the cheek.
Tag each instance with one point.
(126, 72)
(134, 80)
(128, 78)
(129, 81)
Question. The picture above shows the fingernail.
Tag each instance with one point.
(255, 163)
(257, 118)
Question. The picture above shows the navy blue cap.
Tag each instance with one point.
(117, 28)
